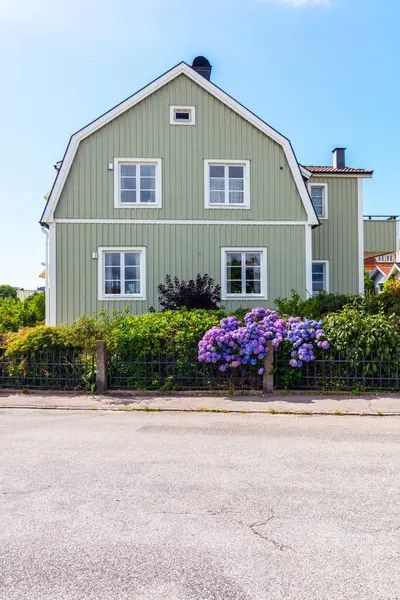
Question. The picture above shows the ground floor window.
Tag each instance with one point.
(319, 277)
(243, 273)
(121, 273)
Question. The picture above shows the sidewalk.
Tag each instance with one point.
(300, 403)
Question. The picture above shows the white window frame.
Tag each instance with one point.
(173, 109)
(227, 162)
(117, 182)
(324, 200)
(102, 250)
(326, 275)
(224, 294)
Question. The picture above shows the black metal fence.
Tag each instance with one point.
(340, 371)
(65, 369)
(173, 370)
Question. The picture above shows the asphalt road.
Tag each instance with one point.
(118, 505)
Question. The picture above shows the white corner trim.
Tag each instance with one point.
(100, 273)
(325, 197)
(360, 236)
(137, 161)
(264, 283)
(308, 246)
(326, 273)
(181, 68)
(305, 172)
(226, 162)
(175, 222)
(190, 109)
(52, 277)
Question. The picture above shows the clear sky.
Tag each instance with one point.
(325, 73)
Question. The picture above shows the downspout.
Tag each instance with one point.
(45, 230)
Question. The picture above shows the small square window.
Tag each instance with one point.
(182, 115)
(137, 183)
(227, 184)
(122, 273)
(243, 273)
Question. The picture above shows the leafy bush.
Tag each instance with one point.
(363, 336)
(201, 293)
(15, 314)
(314, 307)
(31, 339)
(388, 301)
(7, 291)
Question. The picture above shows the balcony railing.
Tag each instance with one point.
(381, 217)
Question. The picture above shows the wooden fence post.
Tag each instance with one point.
(101, 367)
(268, 377)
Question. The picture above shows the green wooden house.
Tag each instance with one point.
(182, 179)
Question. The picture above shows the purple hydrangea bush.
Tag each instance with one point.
(232, 344)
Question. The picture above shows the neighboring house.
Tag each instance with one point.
(24, 294)
(181, 179)
(379, 275)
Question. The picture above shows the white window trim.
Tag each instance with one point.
(325, 204)
(192, 120)
(227, 162)
(101, 271)
(133, 161)
(326, 275)
(263, 295)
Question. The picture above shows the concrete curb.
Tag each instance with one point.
(272, 412)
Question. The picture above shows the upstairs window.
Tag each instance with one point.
(137, 183)
(182, 115)
(227, 184)
(319, 199)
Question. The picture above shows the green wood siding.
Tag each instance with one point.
(336, 239)
(380, 236)
(144, 132)
(182, 250)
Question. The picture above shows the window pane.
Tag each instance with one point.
(217, 197)
(112, 273)
(112, 287)
(132, 259)
(318, 272)
(253, 273)
(128, 196)
(216, 183)
(253, 287)
(236, 198)
(236, 185)
(147, 183)
(128, 170)
(236, 172)
(148, 170)
(112, 258)
(234, 287)
(233, 259)
(132, 273)
(132, 287)
(317, 198)
(128, 183)
(253, 259)
(147, 196)
(182, 115)
(217, 171)
(234, 273)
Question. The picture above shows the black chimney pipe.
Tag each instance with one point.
(202, 65)
(339, 158)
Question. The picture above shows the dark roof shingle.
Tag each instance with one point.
(346, 170)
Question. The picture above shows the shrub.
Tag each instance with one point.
(201, 293)
(15, 314)
(389, 300)
(315, 307)
(8, 291)
(30, 339)
(363, 336)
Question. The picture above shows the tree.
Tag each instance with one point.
(369, 286)
(7, 291)
(201, 292)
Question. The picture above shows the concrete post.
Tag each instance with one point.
(101, 367)
(268, 377)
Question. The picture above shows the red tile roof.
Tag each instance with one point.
(346, 170)
(385, 267)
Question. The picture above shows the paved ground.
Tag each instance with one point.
(176, 506)
(369, 404)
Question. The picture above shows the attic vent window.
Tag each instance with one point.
(182, 115)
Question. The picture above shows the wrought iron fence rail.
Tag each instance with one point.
(63, 370)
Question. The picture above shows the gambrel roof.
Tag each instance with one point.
(180, 69)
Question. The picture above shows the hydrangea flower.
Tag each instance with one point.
(233, 344)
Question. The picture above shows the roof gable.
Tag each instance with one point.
(181, 68)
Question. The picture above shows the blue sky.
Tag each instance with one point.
(324, 73)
